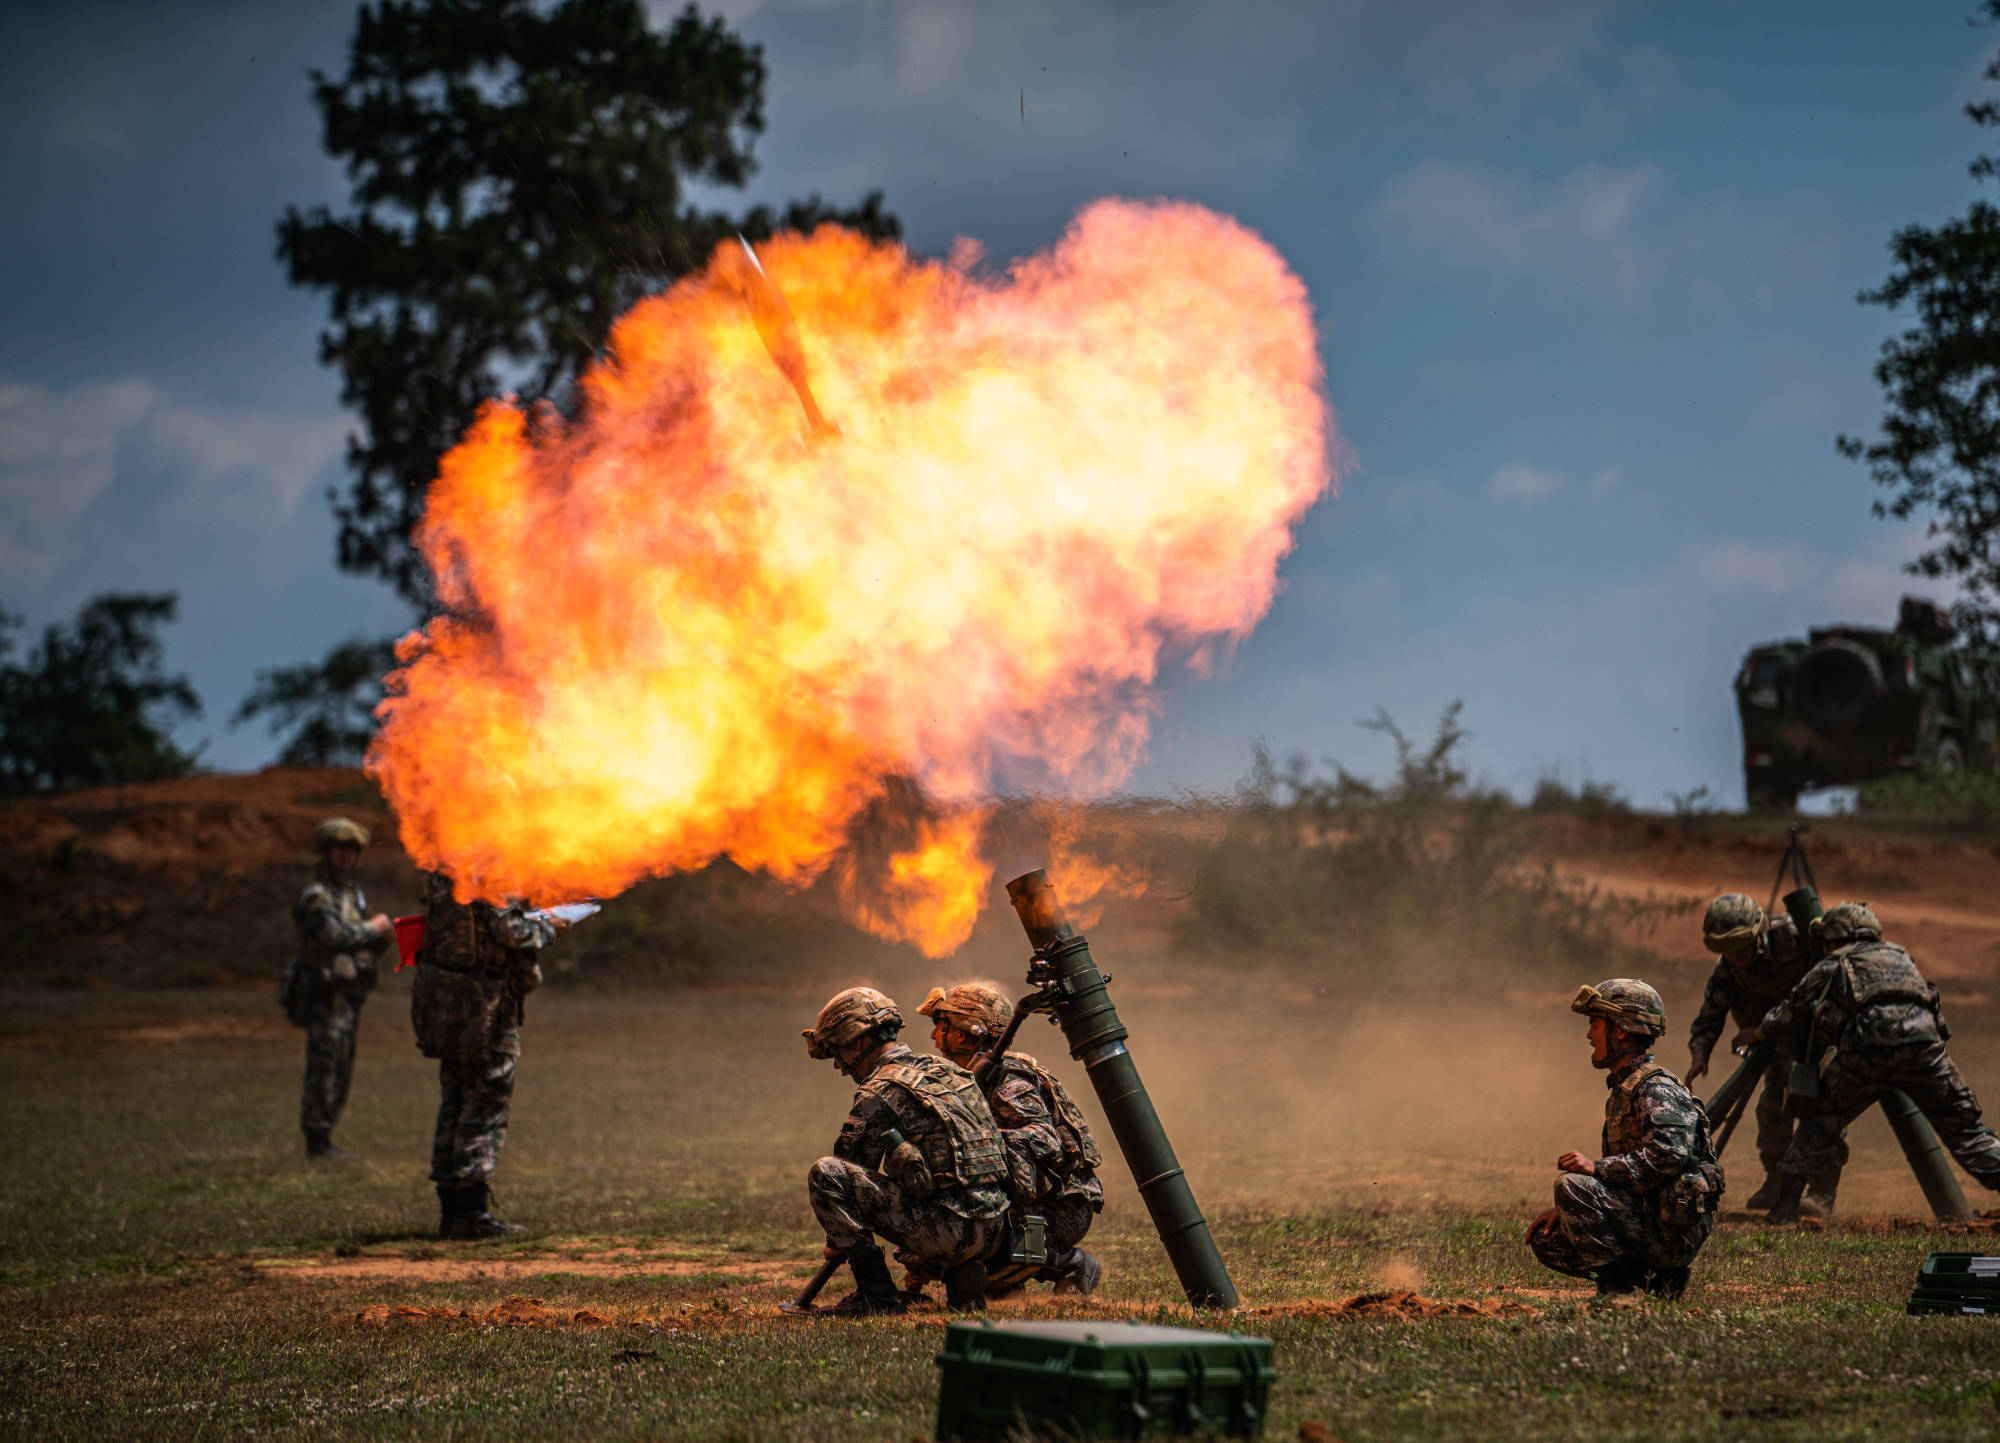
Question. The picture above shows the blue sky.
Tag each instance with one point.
(1585, 274)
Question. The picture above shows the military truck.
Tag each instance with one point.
(1852, 703)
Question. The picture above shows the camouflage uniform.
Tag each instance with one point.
(1887, 1025)
(1637, 1207)
(1743, 995)
(334, 973)
(1052, 1160)
(477, 964)
(945, 1203)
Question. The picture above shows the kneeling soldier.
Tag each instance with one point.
(918, 1160)
(1052, 1159)
(1636, 1217)
(1886, 1024)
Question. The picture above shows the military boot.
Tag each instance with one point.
(1772, 1189)
(471, 1220)
(1821, 1193)
(1073, 1271)
(1791, 1190)
(1665, 1282)
(1617, 1278)
(965, 1287)
(320, 1148)
(874, 1290)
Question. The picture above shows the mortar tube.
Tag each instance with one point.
(1096, 1038)
(1927, 1157)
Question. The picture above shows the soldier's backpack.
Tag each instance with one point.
(1879, 972)
(295, 991)
(1079, 1147)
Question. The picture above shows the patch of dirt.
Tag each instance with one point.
(618, 1264)
(1399, 1304)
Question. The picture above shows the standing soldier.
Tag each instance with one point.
(1052, 1159)
(918, 1160)
(1761, 962)
(1635, 1217)
(1866, 998)
(331, 977)
(475, 970)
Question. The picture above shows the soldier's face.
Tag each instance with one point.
(1740, 958)
(950, 1041)
(343, 858)
(1600, 1041)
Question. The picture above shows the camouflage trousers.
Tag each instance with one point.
(1068, 1218)
(331, 1026)
(853, 1204)
(1851, 1085)
(1597, 1223)
(472, 1118)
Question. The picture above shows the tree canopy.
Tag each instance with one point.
(325, 709)
(89, 704)
(1939, 445)
(518, 175)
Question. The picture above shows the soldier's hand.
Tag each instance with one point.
(1576, 1162)
(832, 1254)
(380, 924)
(1697, 1065)
(1746, 1038)
(344, 969)
(1544, 1220)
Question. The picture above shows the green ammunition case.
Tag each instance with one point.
(1965, 1283)
(1100, 1380)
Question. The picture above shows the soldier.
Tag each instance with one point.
(331, 977)
(1761, 963)
(1866, 998)
(476, 969)
(1052, 1159)
(918, 1160)
(1636, 1217)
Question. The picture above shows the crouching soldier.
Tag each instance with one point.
(1052, 1160)
(1635, 1217)
(1867, 999)
(474, 973)
(918, 1160)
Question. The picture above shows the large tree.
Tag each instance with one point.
(517, 177)
(1939, 446)
(90, 704)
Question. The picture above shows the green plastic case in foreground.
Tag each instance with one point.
(1965, 1283)
(1100, 1380)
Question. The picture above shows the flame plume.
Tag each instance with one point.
(686, 625)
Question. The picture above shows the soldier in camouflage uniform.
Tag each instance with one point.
(918, 1161)
(475, 970)
(1052, 1159)
(1761, 963)
(332, 975)
(1636, 1217)
(1866, 999)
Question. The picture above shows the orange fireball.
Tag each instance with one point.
(687, 624)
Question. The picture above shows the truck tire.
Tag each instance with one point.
(1949, 758)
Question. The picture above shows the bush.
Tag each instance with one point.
(1969, 799)
(1399, 880)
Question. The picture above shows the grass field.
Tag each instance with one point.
(172, 1268)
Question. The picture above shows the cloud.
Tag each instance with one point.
(113, 482)
(1820, 589)
(1521, 482)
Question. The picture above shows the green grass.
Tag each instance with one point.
(167, 1263)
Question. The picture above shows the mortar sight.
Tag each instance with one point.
(1074, 991)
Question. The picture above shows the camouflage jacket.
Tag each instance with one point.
(1654, 1131)
(331, 917)
(1050, 1152)
(479, 937)
(1746, 994)
(1874, 1019)
(934, 1105)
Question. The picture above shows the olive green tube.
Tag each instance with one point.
(1077, 996)
(1927, 1157)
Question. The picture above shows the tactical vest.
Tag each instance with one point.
(1623, 1129)
(1079, 1147)
(1879, 972)
(965, 1145)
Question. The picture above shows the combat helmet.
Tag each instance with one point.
(847, 1016)
(1732, 923)
(978, 1008)
(339, 832)
(1845, 923)
(1627, 1001)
